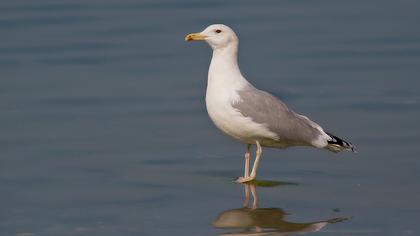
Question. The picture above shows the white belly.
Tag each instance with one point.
(233, 123)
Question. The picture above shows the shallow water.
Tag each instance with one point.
(104, 130)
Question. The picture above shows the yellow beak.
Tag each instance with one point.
(195, 36)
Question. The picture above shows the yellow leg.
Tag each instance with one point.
(247, 157)
(258, 155)
(254, 167)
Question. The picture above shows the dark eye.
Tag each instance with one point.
(218, 31)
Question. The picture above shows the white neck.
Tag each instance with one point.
(224, 70)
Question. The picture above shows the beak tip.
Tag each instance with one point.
(194, 36)
(189, 38)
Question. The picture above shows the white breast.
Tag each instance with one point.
(219, 102)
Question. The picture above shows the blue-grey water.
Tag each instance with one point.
(104, 129)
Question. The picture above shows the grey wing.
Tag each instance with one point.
(264, 108)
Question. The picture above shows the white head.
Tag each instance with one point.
(217, 36)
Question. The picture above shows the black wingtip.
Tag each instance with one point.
(337, 144)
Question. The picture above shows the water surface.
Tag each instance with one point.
(104, 129)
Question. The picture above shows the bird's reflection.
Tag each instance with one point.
(251, 220)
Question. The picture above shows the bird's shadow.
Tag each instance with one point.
(252, 220)
(268, 183)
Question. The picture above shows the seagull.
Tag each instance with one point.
(250, 115)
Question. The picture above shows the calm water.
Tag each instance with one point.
(104, 130)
